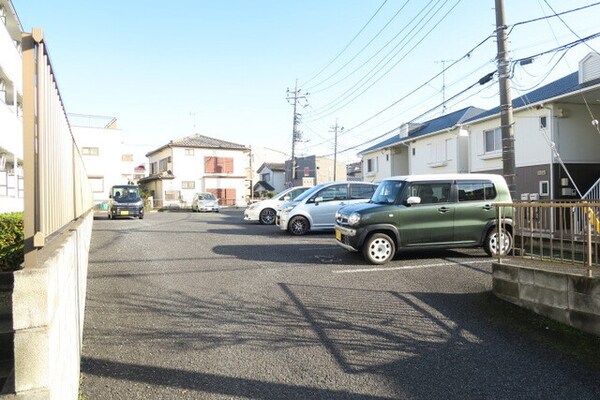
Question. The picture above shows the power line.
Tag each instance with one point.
(358, 53)
(466, 55)
(348, 45)
(331, 109)
(568, 27)
(485, 79)
(552, 16)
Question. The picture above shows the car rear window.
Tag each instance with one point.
(476, 191)
(358, 191)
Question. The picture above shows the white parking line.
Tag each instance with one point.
(351, 271)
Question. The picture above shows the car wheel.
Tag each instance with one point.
(267, 216)
(379, 248)
(141, 216)
(496, 244)
(298, 226)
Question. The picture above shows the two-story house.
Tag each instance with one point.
(271, 179)
(99, 141)
(197, 163)
(11, 107)
(556, 137)
(312, 170)
(556, 140)
(435, 146)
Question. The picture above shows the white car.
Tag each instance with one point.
(264, 211)
(205, 202)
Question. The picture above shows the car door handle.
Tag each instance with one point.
(443, 209)
(487, 207)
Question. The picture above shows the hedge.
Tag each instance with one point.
(11, 241)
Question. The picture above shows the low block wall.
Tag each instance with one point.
(571, 299)
(48, 309)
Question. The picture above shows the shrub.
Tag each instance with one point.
(11, 241)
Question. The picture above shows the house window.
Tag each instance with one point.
(163, 164)
(188, 185)
(438, 153)
(265, 177)
(90, 151)
(492, 140)
(218, 165)
(543, 122)
(172, 195)
(154, 168)
(189, 152)
(372, 165)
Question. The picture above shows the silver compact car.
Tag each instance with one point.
(315, 209)
(205, 202)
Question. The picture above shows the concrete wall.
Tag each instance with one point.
(48, 313)
(571, 299)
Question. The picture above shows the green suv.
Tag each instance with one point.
(428, 211)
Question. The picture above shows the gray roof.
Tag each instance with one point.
(201, 141)
(273, 166)
(438, 124)
(559, 87)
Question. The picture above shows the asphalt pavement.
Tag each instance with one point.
(185, 305)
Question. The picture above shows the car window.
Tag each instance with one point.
(431, 192)
(296, 192)
(335, 192)
(309, 192)
(476, 191)
(387, 192)
(361, 191)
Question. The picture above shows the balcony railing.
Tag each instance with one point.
(561, 232)
(57, 190)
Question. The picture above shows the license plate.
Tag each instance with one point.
(338, 235)
(124, 212)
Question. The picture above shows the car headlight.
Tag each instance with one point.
(287, 209)
(354, 219)
(338, 215)
(252, 206)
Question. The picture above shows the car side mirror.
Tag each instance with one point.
(413, 200)
(286, 198)
(318, 199)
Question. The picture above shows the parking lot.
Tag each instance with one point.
(204, 305)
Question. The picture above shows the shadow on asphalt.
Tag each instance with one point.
(423, 345)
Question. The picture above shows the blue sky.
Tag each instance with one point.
(221, 68)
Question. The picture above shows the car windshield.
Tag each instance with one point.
(206, 196)
(387, 192)
(125, 193)
(309, 192)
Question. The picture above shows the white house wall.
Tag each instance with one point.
(531, 142)
(383, 165)
(577, 140)
(107, 164)
(187, 168)
(422, 163)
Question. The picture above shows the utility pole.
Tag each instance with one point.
(335, 130)
(294, 98)
(506, 111)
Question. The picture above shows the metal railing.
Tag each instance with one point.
(57, 190)
(566, 232)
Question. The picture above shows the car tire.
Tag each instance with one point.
(141, 216)
(492, 245)
(298, 226)
(267, 216)
(379, 248)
